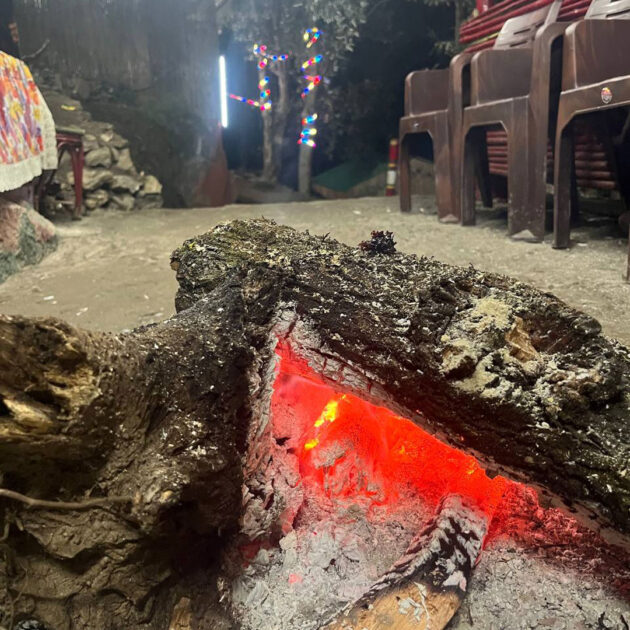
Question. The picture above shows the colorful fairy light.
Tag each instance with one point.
(265, 58)
(312, 61)
(263, 107)
(247, 101)
(261, 51)
(314, 82)
(265, 92)
(311, 36)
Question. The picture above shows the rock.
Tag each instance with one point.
(25, 237)
(106, 137)
(125, 182)
(98, 128)
(90, 142)
(151, 186)
(149, 202)
(93, 178)
(124, 162)
(115, 154)
(99, 157)
(118, 142)
(97, 199)
(123, 201)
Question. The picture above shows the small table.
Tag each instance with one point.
(69, 139)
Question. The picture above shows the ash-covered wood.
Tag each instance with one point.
(157, 420)
(491, 365)
(152, 421)
(425, 588)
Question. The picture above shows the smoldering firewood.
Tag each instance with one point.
(162, 415)
(425, 588)
(490, 365)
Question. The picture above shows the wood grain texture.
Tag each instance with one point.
(425, 588)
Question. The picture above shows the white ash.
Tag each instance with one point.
(321, 566)
(515, 588)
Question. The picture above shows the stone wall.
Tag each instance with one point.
(111, 179)
(148, 66)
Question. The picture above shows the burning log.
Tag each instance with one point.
(151, 428)
(490, 365)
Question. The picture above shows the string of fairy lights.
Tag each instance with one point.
(309, 131)
(263, 101)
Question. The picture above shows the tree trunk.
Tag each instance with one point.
(458, 22)
(151, 428)
(305, 162)
(269, 161)
(305, 167)
(281, 115)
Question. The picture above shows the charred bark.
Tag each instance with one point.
(151, 423)
(157, 422)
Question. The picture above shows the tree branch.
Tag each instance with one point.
(61, 505)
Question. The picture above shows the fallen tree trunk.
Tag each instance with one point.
(159, 421)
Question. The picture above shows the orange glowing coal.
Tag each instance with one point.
(350, 449)
(357, 449)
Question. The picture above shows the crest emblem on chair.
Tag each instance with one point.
(606, 95)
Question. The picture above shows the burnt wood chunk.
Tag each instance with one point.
(490, 365)
(425, 588)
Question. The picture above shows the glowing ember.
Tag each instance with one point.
(339, 488)
(355, 448)
(351, 450)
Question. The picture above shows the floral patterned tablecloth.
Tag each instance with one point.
(27, 129)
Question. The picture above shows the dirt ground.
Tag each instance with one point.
(111, 270)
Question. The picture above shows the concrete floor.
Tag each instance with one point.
(111, 271)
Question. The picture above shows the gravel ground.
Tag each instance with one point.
(111, 271)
